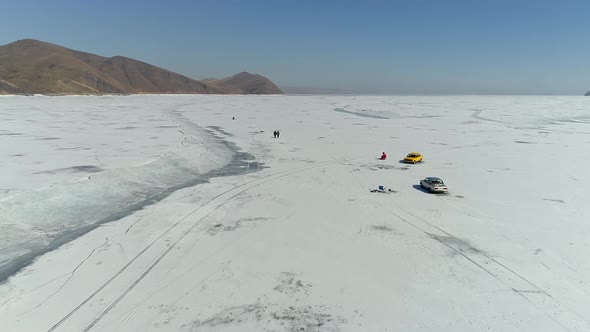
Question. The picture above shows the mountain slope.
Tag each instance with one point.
(246, 83)
(32, 66)
(587, 93)
(145, 78)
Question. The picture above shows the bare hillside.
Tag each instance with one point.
(246, 83)
(32, 66)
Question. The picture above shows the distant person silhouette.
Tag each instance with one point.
(278, 134)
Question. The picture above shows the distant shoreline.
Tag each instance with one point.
(131, 94)
(290, 94)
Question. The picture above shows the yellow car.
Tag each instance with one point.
(413, 157)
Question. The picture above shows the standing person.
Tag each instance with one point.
(274, 134)
(278, 134)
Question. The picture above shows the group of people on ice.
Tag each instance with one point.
(276, 134)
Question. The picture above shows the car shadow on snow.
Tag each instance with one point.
(419, 188)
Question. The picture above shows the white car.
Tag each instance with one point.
(434, 185)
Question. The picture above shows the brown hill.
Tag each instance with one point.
(246, 83)
(31, 66)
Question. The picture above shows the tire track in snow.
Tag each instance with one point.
(173, 245)
(260, 181)
(507, 276)
(146, 272)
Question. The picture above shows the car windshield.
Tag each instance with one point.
(413, 155)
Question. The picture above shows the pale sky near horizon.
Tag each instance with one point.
(399, 47)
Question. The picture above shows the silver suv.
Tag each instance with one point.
(433, 185)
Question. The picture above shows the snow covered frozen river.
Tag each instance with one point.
(161, 213)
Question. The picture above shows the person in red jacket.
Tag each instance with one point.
(383, 156)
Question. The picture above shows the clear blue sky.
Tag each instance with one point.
(410, 46)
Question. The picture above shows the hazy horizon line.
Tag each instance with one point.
(329, 91)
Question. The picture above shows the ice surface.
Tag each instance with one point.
(303, 245)
(143, 151)
(45, 140)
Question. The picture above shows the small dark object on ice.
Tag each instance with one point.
(388, 191)
(383, 190)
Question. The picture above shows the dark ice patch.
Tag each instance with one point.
(554, 200)
(420, 116)
(76, 148)
(74, 169)
(381, 228)
(364, 115)
(47, 138)
(87, 169)
(290, 283)
(219, 130)
(266, 317)
(457, 245)
(233, 225)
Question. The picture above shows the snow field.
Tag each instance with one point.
(302, 244)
